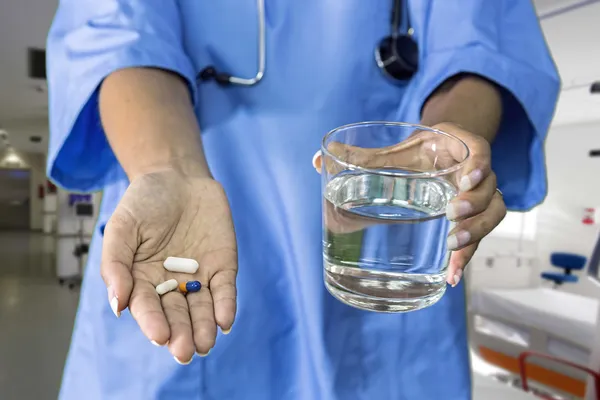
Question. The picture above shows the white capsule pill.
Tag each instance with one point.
(177, 264)
(166, 287)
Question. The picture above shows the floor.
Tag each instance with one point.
(36, 317)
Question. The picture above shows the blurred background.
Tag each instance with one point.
(519, 298)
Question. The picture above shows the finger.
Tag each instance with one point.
(181, 342)
(478, 165)
(404, 154)
(473, 202)
(222, 287)
(472, 230)
(316, 161)
(204, 326)
(147, 310)
(118, 250)
(458, 261)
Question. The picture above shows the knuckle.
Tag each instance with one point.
(450, 127)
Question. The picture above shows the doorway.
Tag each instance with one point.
(14, 198)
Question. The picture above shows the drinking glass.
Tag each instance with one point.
(385, 190)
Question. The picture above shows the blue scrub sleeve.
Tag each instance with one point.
(502, 41)
(88, 40)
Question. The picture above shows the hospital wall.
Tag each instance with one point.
(554, 226)
(574, 184)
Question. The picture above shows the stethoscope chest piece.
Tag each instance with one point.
(398, 57)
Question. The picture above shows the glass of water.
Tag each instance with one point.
(385, 190)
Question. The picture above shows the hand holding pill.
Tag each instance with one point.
(170, 230)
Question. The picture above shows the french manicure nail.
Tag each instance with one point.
(457, 276)
(226, 331)
(457, 209)
(114, 302)
(203, 354)
(316, 162)
(181, 362)
(154, 342)
(471, 180)
(458, 239)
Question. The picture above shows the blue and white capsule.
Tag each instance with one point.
(190, 287)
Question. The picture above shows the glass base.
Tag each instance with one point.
(379, 304)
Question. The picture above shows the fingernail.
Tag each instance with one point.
(316, 160)
(226, 331)
(457, 209)
(181, 362)
(458, 239)
(203, 354)
(471, 180)
(114, 302)
(154, 342)
(457, 276)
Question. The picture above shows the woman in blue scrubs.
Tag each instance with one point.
(224, 175)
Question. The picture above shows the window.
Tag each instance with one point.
(515, 222)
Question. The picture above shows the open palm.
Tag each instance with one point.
(165, 214)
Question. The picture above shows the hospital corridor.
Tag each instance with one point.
(315, 200)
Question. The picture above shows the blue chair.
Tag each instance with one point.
(569, 263)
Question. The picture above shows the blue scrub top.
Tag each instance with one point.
(291, 339)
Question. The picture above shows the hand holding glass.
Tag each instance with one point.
(385, 190)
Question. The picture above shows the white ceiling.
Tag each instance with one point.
(573, 38)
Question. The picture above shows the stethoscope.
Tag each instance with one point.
(397, 55)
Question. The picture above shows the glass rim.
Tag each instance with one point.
(432, 174)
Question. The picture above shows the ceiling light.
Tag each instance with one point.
(12, 158)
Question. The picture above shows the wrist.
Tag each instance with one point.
(190, 166)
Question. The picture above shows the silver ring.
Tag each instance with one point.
(500, 192)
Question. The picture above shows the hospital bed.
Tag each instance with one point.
(486, 388)
(503, 323)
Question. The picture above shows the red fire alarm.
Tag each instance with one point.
(588, 216)
(51, 187)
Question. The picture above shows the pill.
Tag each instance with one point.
(177, 264)
(166, 287)
(191, 286)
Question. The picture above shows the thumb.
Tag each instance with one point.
(118, 249)
(458, 261)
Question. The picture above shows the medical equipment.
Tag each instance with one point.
(489, 388)
(227, 79)
(397, 55)
(166, 287)
(524, 366)
(505, 322)
(190, 287)
(76, 214)
(178, 264)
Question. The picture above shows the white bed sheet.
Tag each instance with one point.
(565, 315)
(486, 388)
